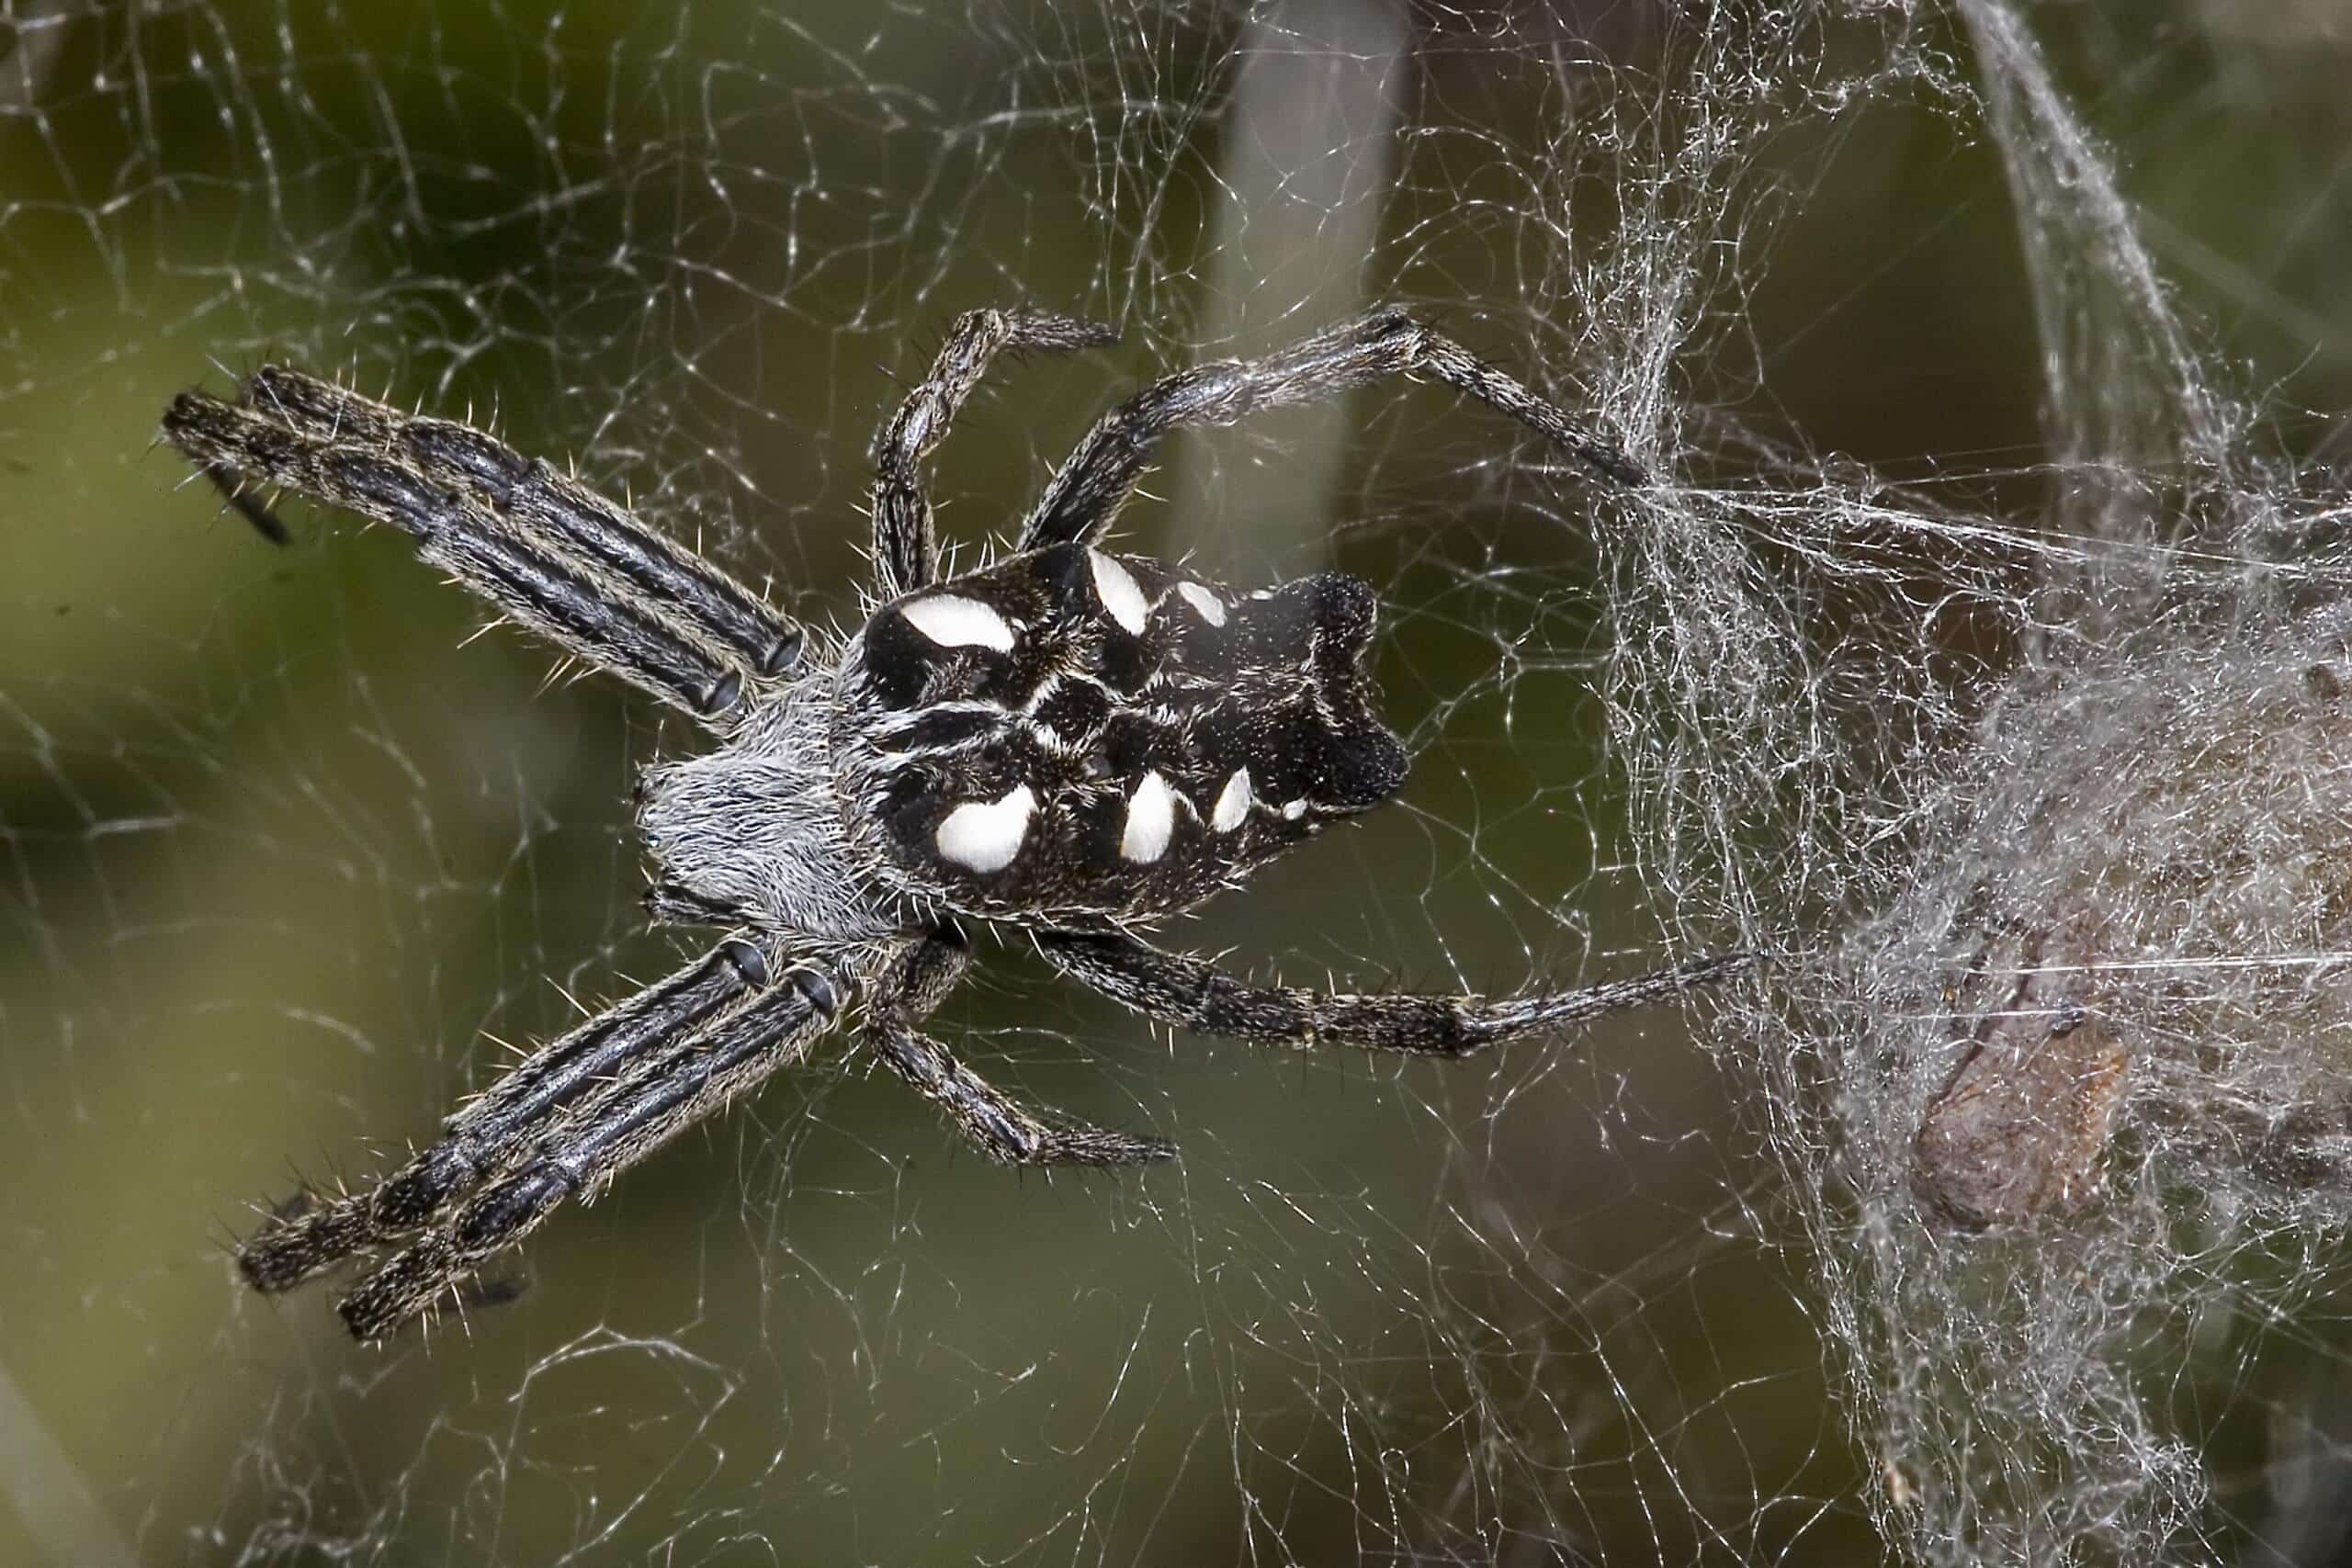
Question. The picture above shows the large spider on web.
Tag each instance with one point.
(1069, 744)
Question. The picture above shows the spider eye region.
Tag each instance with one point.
(1074, 734)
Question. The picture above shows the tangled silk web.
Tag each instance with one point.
(2012, 1226)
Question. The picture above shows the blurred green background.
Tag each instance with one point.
(285, 854)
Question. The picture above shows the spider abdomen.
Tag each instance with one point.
(1076, 734)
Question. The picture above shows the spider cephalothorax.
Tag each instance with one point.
(1069, 743)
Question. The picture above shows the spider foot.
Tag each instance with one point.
(406, 1285)
(1082, 1144)
(302, 1236)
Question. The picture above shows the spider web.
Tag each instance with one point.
(1995, 593)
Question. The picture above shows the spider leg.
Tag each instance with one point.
(1078, 506)
(477, 1142)
(697, 1076)
(1190, 993)
(983, 1112)
(994, 1120)
(582, 528)
(522, 570)
(906, 551)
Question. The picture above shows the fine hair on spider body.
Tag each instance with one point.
(1069, 744)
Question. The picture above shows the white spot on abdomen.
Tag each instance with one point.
(1151, 819)
(1293, 809)
(1233, 803)
(1211, 609)
(1116, 587)
(953, 621)
(984, 838)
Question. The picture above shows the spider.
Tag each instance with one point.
(1067, 744)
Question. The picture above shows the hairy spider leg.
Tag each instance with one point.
(1176, 988)
(465, 536)
(1079, 505)
(575, 524)
(699, 1074)
(1003, 1129)
(492, 1132)
(906, 546)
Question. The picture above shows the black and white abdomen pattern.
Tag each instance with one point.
(1092, 735)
